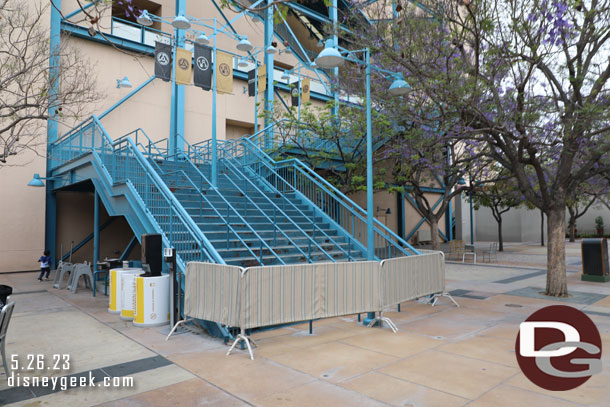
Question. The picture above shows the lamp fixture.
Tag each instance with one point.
(202, 39)
(399, 87)
(123, 83)
(144, 19)
(36, 181)
(181, 23)
(285, 76)
(329, 57)
(242, 63)
(271, 50)
(244, 45)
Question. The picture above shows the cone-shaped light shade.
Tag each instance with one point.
(244, 45)
(36, 181)
(399, 87)
(329, 57)
(202, 39)
(181, 23)
(124, 83)
(144, 19)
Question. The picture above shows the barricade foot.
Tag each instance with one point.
(239, 338)
(183, 321)
(434, 297)
(381, 319)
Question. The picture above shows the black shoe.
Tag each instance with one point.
(39, 279)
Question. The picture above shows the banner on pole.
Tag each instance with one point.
(305, 88)
(262, 79)
(294, 93)
(252, 82)
(163, 59)
(203, 67)
(183, 66)
(224, 74)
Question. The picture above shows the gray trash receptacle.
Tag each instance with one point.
(595, 260)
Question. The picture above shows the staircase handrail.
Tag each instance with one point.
(172, 201)
(276, 208)
(324, 184)
(346, 252)
(226, 221)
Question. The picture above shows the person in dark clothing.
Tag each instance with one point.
(45, 264)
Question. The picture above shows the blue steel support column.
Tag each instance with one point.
(370, 237)
(333, 16)
(214, 170)
(269, 68)
(471, 222)
(96, 229)
(176, 139)
(50, 202)
(256, 95)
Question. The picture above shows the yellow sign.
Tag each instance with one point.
(262, 78)
(224, 72)
(183, 66)
(305, 86)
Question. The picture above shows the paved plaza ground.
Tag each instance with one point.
(442, 356)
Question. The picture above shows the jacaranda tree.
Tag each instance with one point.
(525, 81)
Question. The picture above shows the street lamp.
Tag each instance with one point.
(244, 45)
(202, 39)
(331, 57)
(36, 181)
(144, 19)
(181, 23)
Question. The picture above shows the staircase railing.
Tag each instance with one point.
(229, 218)
(276, 209)
(349, 215)
(124, 162)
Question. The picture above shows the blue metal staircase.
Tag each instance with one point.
(261, 212)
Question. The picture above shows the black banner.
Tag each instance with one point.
(163, 61)
(203, 67)
(252, 83)
(294, 94)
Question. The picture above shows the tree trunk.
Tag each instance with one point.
(500, 241)
(434, 237)
(556, 282)
(572, 226)
(541, 228)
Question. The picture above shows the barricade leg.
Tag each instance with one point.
(434, 297)
(239, 338)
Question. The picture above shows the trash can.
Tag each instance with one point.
(152, 301)
(5, 291)
(595, 260)
(115, 297)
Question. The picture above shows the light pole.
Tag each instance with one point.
(331, 57)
